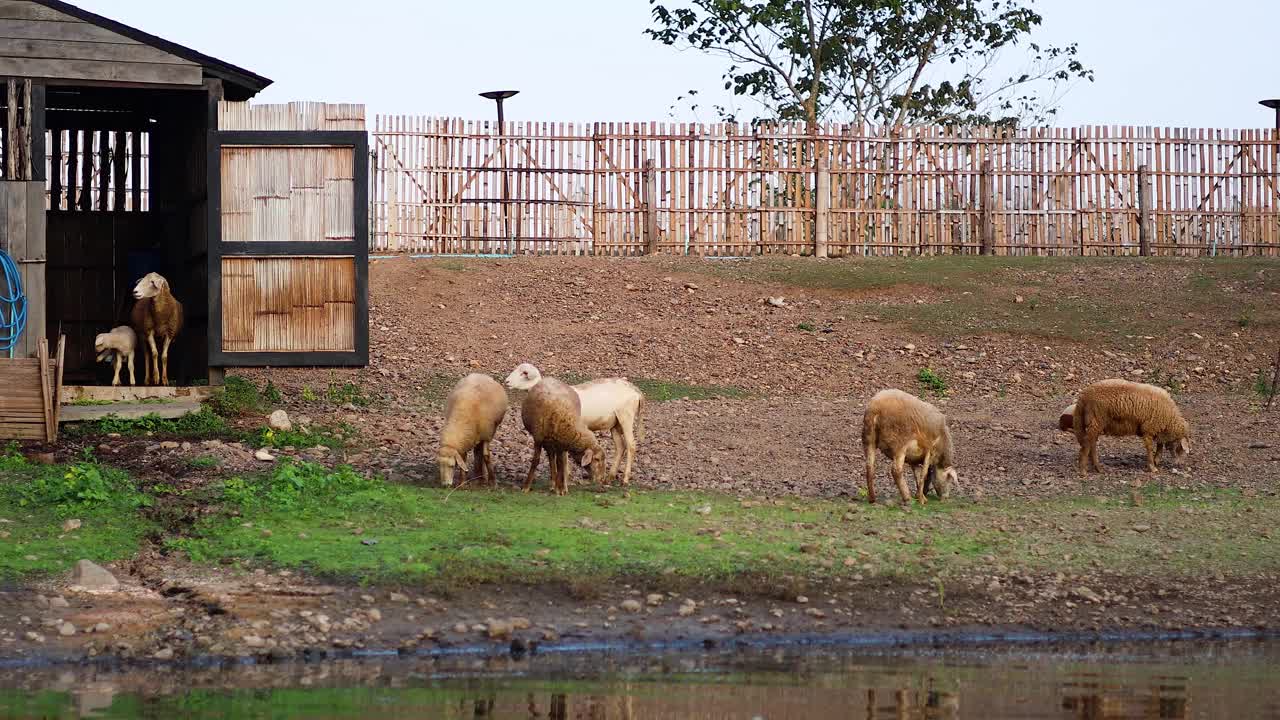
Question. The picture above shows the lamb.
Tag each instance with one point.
(157, 313)
(1121, 408)
(119, 344)
(908, 430)
(552, 415)
(612, 404)
(472, 413)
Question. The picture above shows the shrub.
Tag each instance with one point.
(932, 381)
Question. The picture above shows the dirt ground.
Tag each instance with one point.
(790, 428)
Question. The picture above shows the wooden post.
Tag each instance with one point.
(987, 202)
(1145, 230)
(822, 208)
(649, 185)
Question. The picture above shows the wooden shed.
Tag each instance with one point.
(124, 153)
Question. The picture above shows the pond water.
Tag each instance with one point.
(1174, 681)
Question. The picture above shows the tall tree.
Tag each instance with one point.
(877, 61)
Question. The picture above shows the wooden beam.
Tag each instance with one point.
(104, 170)
(158, 73)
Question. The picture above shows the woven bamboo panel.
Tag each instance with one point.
(290, 116)
(459, 186)
(283, 304)
(278, 194)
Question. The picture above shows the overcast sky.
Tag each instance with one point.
(1175, 63)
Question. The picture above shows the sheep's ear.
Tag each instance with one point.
(1185, 444)
(587, 457)
(462, 463)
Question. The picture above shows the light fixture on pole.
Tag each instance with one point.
(498, 96)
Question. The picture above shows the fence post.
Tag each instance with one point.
(1144, 212)
(822, 205)
(650, 208)
(987, 203)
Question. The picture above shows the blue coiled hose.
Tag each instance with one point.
(13, 305)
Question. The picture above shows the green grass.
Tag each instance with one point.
(204, 462)
(340, 525)
(932, 381)
(239, 396)
(436, 389)
(35, 501)
(202, 424)
(1107, 300)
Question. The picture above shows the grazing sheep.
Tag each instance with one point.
(612, 404)
(910, 431)
(119, 344)
(552, 415)
(157, 313)
(1121, 408)
(472, 413)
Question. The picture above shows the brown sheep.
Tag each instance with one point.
(472, 413)
(552, 415)
(1121, 408)
(909, 431)
(157, 313)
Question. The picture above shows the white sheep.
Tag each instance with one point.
(119, 344)
(472, 413)
(1122, 408)
(909, 431)
(156, 314)
(552, 415)
(607, 404)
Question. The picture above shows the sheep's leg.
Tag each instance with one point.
(115, 379)
(488, 465)
(533, 466)
(871, 474)
(164, 361)
(899, 468)
(557, 472)
(564, 472)
(618, 446)
(1093, 453)
(153, 368)
(923, 476)
(628, 438)
(1150, 444)
(132, 378)
(477, 464)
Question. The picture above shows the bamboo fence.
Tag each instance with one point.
(437, 186)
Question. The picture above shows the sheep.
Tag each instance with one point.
(472, 413)
(908, 430)
(1121, 408)
(157, 313)
(118, 344)
(608, 404)
(552, 415)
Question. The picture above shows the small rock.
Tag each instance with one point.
(163, 654)
(690, 286)
(367, 599)
(809, 549)
(66, 629)
(264, 455)
(654, 599)
(1087, 594)
(58, 602)
(92, 576)
(519, 623)
(498, 629)
(687, 609)
(398, 597)
(33, 637)
(69, 525)
(778, 301)
(279, 420)
(1018, 299)
(460, 628)
(1141, 528)
(102, 627)
(802, 599)
(703, 509)
(815, 612)
(374, 614)
(169, 445)
(1259, 445)
(632, 606)
(254, 641)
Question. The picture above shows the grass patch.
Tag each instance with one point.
(204, 462)
(35, 501)
(1109, 300)
(198, 425)
(239, 396)
(334, 437)
(342, 525)
(932, 381)
(663, 391)
(346, 394)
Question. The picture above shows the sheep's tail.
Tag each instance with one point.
(870, 427)
(639, 429)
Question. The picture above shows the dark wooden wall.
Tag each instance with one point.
(36, 41)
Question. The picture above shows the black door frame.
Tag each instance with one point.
(358, 141)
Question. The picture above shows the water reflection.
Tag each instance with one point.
(778, 685)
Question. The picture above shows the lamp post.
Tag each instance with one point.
(498, 96)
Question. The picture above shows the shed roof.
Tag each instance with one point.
(239, 83)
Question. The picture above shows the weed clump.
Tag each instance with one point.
(932, 381)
